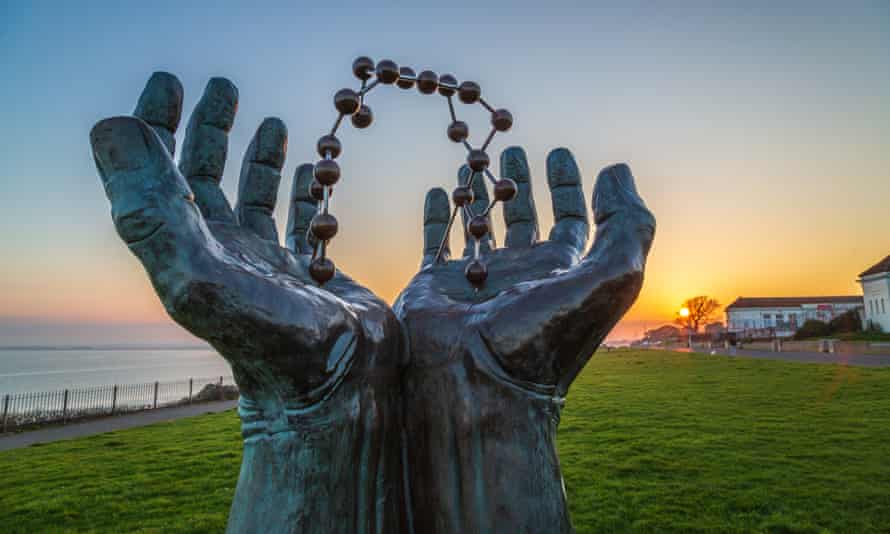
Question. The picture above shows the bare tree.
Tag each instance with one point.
(697, 311)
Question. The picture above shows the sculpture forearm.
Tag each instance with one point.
(334, 466)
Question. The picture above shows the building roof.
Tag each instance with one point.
(882, 266)
(790, 302)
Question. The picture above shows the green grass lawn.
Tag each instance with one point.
(650, 442)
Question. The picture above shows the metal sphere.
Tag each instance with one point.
(316, 191)
(505, 190)
(327, 172)
(387, 71)
(324, 226)
(363, 117)
(322, 270)
(406, 75)
(362, 67)
(477, 160)
(462, 195)
(458, 131)
(447, 79)
(476, 272)
(478, 226)
(329, 145)
(427, 82)
(469, 92)
(346, 101)
(502, 120)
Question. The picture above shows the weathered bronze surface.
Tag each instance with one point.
(318, 369)
(437, 415)
(489, 368)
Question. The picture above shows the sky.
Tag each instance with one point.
(758, 134)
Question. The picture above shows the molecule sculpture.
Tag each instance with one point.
(352, 103)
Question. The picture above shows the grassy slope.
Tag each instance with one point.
(650, 441)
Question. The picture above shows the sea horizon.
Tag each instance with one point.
(33, 368)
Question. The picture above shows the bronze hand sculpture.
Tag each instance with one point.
(440, 417)
(489, 370)
(318, 369)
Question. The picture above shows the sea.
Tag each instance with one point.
(33, 369)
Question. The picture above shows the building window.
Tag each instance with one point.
(780, 320)
(871, 307)
(883, 310)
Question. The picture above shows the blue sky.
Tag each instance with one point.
(757, 132)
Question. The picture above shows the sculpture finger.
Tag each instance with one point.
(477, 207)
(520, 215)
(625, 228)
(206, 146)
(301, 210)
(207, 292)
(436, 225)
(260, 178)
(160, 106)
(569, 210)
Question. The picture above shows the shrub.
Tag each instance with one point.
(212, 392)
(812, 328)
(846, 322)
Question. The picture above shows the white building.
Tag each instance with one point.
(781, 316)
(876, 294)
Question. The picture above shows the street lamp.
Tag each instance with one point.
(684, 313)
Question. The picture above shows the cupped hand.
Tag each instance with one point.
(546, 304)
(220, 272)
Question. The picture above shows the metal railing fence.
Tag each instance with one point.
(18, 410)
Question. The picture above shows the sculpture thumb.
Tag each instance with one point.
(618, 209)
(141, 181)
(615, 190)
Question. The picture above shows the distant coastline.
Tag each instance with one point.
(27, 368)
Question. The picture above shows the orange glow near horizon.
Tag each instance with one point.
(117, 290)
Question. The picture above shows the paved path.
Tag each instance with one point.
(864, 360)
(110, 424)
